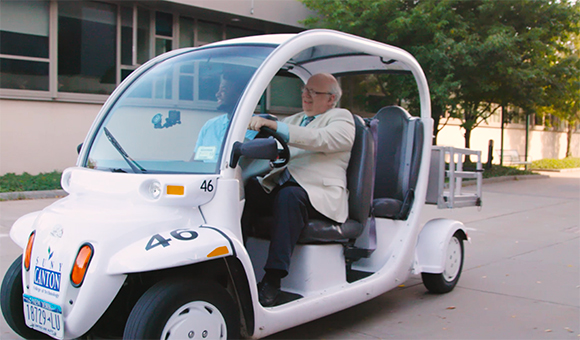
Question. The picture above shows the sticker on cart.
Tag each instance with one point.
(205, 153)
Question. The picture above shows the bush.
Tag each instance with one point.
(27, 182)
(551, 163)
(498, 171)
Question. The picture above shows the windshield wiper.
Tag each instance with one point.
(132, 163)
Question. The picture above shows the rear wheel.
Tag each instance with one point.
(446, 281)
(184, 309)
(12, 305)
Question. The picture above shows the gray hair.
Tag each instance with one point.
(336, 91)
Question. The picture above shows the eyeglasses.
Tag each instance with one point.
(313, 93)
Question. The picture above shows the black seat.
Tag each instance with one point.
(399, 150)
(359, 184)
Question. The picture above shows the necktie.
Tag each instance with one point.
(306, 120)
(286, 176)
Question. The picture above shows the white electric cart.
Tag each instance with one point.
(148, 243)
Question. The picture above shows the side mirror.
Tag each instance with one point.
(263, 148)
(79, 148)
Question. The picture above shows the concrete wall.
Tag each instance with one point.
(38, 136)
(542, 144)
(287, 12)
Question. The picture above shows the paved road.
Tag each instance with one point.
(521, 278)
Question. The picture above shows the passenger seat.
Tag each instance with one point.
(399, 150)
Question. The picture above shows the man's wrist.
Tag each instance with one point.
(283, 131)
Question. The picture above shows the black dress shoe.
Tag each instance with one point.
(268, 293)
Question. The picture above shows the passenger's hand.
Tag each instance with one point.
(257, 122)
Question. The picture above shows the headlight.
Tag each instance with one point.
(151, 189)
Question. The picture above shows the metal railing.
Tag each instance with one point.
(446, 187)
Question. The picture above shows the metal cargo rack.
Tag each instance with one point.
(446, 187)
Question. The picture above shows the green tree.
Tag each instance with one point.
(477, 55)
(421, 30)
(563, 96)
(510, 48)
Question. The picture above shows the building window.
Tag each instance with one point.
(24, 48)
(143, 31)
(81, 50)
(236, 32)
(126, 36)
(163, 32)
(285, 95)
(87, 34)
(208, 32)
(186, 32)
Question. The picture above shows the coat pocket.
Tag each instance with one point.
(334, 182)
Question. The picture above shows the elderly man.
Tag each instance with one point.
(312, 185)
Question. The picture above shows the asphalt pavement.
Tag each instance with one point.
(520, 280)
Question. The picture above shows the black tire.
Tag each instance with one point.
(172, 300)
(445, 282)
(11, 302)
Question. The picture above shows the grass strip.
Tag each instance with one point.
(553, 164)
(11, 182)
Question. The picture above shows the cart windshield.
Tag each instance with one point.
(174, 117)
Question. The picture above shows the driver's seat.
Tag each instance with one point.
(359, 183)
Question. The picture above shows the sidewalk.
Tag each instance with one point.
(521, 277)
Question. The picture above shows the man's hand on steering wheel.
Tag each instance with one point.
(257, 122)
(283, 153)
(267, 129)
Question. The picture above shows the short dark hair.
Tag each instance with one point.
(238, 80)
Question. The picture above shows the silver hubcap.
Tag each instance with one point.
(453, 259)
(196, 320)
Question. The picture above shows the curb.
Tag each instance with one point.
(514, 178)
(31, 195)
(557, 170)
(504, 179)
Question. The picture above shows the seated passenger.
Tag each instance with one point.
(210, 138)
(311, 186)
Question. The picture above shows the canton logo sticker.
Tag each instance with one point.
(47, 274)
(47, 279)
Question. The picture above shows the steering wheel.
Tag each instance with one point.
(284, 153)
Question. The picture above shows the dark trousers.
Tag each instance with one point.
(288, 208)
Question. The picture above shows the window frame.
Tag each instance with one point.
(53, 94)
(37, 94)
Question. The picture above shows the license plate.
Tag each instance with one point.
(43, 316)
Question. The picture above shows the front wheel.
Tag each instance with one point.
(184, 309)
(446, 281)
(11, 302)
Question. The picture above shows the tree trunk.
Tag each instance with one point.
(467, 146)
(569, 134)
(436, 114)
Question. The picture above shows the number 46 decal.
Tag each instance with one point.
(206, 186)
(178, 234)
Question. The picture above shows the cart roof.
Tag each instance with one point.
(345, 55)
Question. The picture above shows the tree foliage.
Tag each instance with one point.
(477, 55)
(563, 94)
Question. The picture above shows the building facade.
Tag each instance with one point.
(60, 60)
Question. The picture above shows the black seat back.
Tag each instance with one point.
(359, 173)
(399, 150)
(359, 183)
